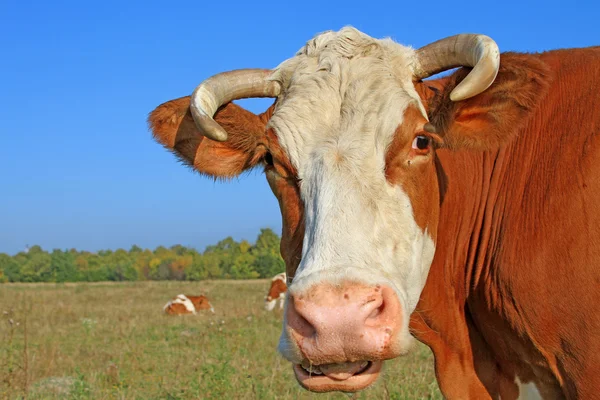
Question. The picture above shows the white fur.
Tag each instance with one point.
(182, 299)
(344, 94)
(527, 391)
(270, 305)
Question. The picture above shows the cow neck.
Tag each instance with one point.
(472, 187)
(470, 222)
(488, 210)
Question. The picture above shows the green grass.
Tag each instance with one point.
(111, 341)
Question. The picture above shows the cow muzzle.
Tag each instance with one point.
(343, 333)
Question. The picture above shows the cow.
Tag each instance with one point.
(184, 304)
(460, 210)
(276, 292)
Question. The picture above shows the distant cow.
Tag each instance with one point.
(186, 304)
(276, 292)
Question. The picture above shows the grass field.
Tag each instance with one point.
(111, 341)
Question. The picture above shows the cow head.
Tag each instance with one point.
(202, 303)
(350, 153)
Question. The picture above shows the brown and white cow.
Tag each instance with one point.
(463, 211)
(185, 304)
(276, 292)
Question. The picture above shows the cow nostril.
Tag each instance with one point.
(297, 321)
(377, 311)
(307, 328)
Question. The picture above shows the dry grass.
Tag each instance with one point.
(111, 341)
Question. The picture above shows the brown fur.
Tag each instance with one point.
(413, 171)
(176, 309)
(489, 120)
(173, 127)
(518, 234)
(199, 302)
(277, 288)
(515, 180)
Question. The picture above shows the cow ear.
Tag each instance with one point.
(492, 118)
(172, 125)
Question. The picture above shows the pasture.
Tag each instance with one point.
(112, 341)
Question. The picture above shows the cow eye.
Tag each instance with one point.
(421, 143)
(269, 159)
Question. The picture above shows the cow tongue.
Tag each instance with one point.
(342, 371)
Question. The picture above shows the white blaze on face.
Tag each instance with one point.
(344, 96)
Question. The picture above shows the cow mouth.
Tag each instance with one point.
(344, 377)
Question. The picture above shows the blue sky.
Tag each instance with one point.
(78, 167)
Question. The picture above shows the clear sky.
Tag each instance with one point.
(78, 167)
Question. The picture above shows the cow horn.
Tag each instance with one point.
(223, 88)
(477, 51)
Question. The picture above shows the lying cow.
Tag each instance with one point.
(276, 292)
(463, 210)
(185, 304)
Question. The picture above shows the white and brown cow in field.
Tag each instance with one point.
(184, 304)
(277, 291)
(463, 211)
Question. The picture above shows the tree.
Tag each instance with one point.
(212, 266)
(141, 262)
(267, 242)
(37, 267)
(120, 266)
(268, 265)
(242, 263)
(268, 261)
(63, 267)
(197, 270)
(9, 269)
(180, 266)
(96, 269)
(179, 249)
(135, 249)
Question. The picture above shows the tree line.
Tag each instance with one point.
(228, 259)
